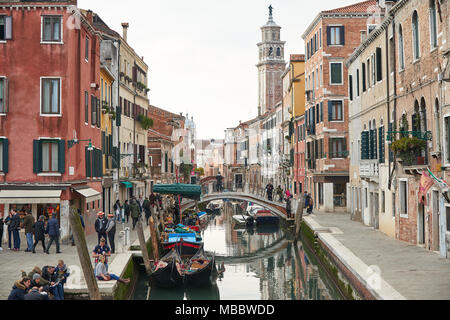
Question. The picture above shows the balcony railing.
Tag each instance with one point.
(369, 169)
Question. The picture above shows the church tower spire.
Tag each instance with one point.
(270, 66)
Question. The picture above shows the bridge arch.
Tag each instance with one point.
(279, 209)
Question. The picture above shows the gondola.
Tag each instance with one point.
(186, 244)
(201, 270)
(167, 272)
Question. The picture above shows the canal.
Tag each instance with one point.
(260, 264)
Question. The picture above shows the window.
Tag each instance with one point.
(447, 139)
(379, 61)
(321, 75)
(357, 82)
(278, 52)
(5, 28)
(51, 96)
(373, 69)
(51, 29)
(437, 120)
(86, 49)
(336, 35)
(338, 148)
(320, 38)
(350, 87)
(401, 52)
(383, 203)
(4, 155)
(403, 187)
(335, 110)
(336, 73)
(393, 205)
(415, 34)
(50, 156)
(86, 107)
(433, 24)
(364, 83)
(93, 110)
(371, 27)
(3, 95)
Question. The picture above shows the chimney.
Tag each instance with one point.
(125, 26)
(363, 35)
(90, 17)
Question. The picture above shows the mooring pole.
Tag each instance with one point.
(154, 238)
(299, 216)
(144, 251)
(83, 254)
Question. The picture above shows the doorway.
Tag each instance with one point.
(376, 211)
(435, 221)
(421, 222)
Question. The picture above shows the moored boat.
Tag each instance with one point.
(167, 272)
(201, 271)
(187, 244)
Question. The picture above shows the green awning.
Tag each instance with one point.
(190, 191)
(127, 184)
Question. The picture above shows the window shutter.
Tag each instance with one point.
(8, 30)
(379, 65)
(37, 156)
(364, 145)
(62, 156)
(350, 86)
(330, 110)
(98, 112)
(103, 142)
(134, 74)
(375, 153)
(93, 108)
(381, 144)
(363, 68)
(321, 112)
(100, 162)
(88, 163)
(6, 95)
(391, 154)
(5, 155)
(119, 116)
(344, 148)
(110, 145)
(343, 35)
(328, 35)
(371, 144)
(330, 148)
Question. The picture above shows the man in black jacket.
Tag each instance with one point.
(1, 231)
(19, 289)
(39, 233)
(111, 231)
(100, 226)
(15, 227)
(56, 288)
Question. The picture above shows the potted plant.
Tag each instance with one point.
(145, 122)
(407, 148)
(105, 107)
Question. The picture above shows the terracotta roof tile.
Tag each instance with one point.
(357, 7)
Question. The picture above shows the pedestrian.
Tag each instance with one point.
(135, 211)
(19, 289)
(288, 207)
(82, 224)
(55, 288)
(1, 230)
(279, 192)
(8, 223)
(159, 199)
(39, 233)
(117, 210)
(35, 282)
(101, 249)
(310, 205)
(15, 227)
(126, 210)
(28, 225)
(219, 180)
(269, 190)
(62, 272)
(111, 231)
(102, 273)
(100, 226)
(53, 232)
(288, 193)
(147, 210)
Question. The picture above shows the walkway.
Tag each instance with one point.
(414, 272)
(12, 262)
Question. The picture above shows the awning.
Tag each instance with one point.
(30, 196)
(138, 184)
(127, 184)
(90, 194)
(190, 191)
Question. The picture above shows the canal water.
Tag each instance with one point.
(260, 264)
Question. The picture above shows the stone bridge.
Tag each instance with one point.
(277, 207)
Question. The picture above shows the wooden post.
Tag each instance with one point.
(144, 251)
(299, 216)
(196, 205)
(83, 254)
(154, 238)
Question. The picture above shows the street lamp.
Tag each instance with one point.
(72, 143)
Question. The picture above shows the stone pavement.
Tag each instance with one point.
(414, 272)
(12, 262)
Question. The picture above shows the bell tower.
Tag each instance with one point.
(270, 66)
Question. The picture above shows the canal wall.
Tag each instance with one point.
(124, 264)
(354, 279)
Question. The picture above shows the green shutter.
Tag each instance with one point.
(62, 156)
(110, 146)
(330, 110)
(103, 142)
(114, 158)
(5, 155)
(374, 144)
(37, 156)
(100, 162)
(88, 163)
(364, 145)
(381, 144)
(119, 116)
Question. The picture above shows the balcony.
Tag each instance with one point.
(369, 169)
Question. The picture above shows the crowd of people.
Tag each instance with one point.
(286, 196)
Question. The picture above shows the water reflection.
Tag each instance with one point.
(261, 264)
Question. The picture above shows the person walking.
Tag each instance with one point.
(310, 204)
(39, 233)
(53, 232)
(219, 180)
(126, 210)
(135, 212)
(1, 231)
(288, 207)
(117, 210)
(111, 231)
(15, 227)
(100, 226)
(269, 190)
(28, 225)
(279, 192)
(8, 223)
(147, 210)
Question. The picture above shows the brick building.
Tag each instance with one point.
(329, 40)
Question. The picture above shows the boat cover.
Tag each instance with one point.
(190, 191)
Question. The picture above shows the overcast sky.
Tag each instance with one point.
(202, 53)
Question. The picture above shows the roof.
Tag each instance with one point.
(353, 8)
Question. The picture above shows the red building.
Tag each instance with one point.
(299, 159)
(49, 65)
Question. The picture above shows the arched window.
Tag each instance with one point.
(433, 24)
(423, 115)
(278, 52)
(270, 51)
(415, 33)
(401, 52)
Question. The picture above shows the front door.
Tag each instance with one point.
(435, 222)
(421, 224)
(376, 219)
